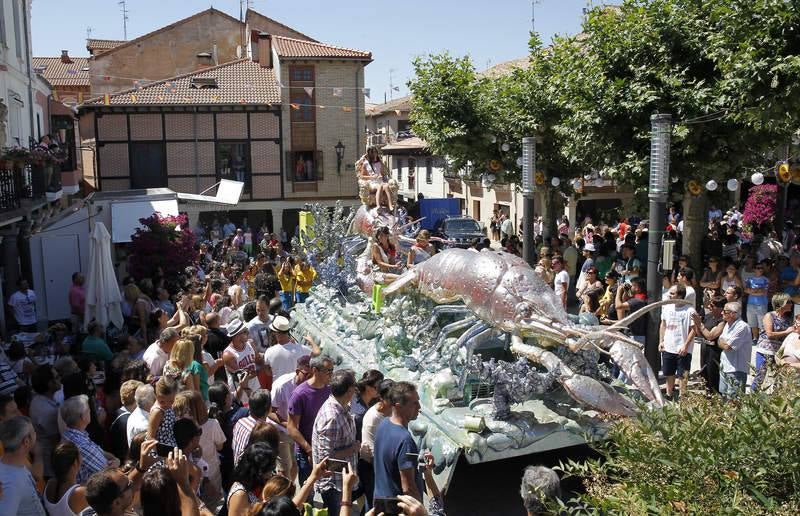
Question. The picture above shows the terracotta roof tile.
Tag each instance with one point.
(506, 67)
(57, 73)
(289, 48)
(238, 82)
(97, 46)
(402, 103)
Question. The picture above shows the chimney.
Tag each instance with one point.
(65, 56)
(265, 49)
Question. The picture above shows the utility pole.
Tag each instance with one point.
(122, 3)
(391, 84)
(533, 14)
(661, 125)
(528, 190)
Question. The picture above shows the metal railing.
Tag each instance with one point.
(23, 182)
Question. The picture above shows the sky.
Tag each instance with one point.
(490, 32)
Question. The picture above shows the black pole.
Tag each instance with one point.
(528, 189)
(659, 185)
(528, 247)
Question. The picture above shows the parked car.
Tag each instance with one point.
(460, 231)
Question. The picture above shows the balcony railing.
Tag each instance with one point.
(18, 182)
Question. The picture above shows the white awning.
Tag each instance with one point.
(228, 194)
(125, 216)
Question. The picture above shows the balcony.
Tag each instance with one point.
(21, 185)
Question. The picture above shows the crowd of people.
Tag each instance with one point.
(203, 403)
(741, 314)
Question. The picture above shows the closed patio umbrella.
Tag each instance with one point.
(103, 299)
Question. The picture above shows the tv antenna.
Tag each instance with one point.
(88, 32)
(534, 3)
(124, 6)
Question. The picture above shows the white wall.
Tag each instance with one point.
(14, 81)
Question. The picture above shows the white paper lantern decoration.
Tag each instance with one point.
(711, 185)
(757, 178)
(519, 161)
(555, 181)
(494, 139)
(733, 184)
(505, 147)
(674, 179)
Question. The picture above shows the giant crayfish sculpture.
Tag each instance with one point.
(500, 292)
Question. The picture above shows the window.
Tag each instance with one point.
(233, 162)
(303, 109)
(147, 165)
(18, 28)
(412, 172)
(399, 162)
(305, 166)
(3, 40)
(15, 106)
(403, 125)
(428, 171)
(301, 74)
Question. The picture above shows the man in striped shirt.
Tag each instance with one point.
(75, 413)
(334, 436)
(260, 405)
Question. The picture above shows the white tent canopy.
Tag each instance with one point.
(103, 299)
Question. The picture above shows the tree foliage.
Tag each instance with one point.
(704, 456)
(725, 69)
(164, 247)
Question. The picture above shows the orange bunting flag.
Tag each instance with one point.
(80, 97)
(295, 106)
(107, 99)
(55, 95)
(161, 97)
(397, 112)
(133, 98)
(321, 106)
(347, 109)
(215, 98)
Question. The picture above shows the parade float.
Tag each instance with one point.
(501, 369)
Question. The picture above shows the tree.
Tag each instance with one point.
(692, 60)
(163, 247)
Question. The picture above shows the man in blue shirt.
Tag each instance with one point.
(395, 453)
(757, 300)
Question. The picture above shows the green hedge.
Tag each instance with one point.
(702, 456)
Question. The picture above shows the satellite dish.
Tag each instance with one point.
(238, 51)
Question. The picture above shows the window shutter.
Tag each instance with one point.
(319, 166)
(289, 166)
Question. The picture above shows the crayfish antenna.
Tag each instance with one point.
(408, 277)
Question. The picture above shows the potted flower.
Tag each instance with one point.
(16, 156)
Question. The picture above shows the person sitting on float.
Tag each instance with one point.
(371, 169)
(384, 257)
(422, 249)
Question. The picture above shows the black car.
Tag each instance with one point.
(460, 231)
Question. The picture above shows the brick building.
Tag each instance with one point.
(270, 114)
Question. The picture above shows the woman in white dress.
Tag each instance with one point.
(372, 173)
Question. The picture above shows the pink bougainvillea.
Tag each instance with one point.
(164, 243)
(760, 205)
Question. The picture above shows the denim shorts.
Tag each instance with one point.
(673, 364)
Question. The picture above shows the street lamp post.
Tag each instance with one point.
(528, 189)
(339, 156)
(658, 192)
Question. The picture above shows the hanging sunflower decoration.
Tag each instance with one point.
(539, 178)
(495, 165)
(784, 174)
(694, 187)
